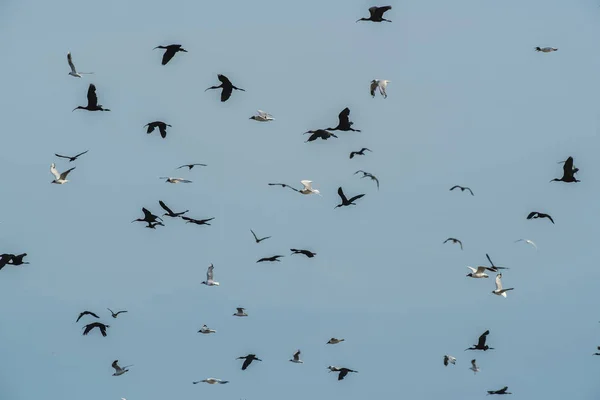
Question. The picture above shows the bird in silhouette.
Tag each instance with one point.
(344, 123)
(501, 391)
(335, 341)
(170, 212)
(119, 370)
(71, 159)
(345, 200)
(92, 99)
(59, 178)
(454, 240)
(248, 360)
(197, 221)
(381, 84)
(597, 354)
(73, 70)
(528, 242)
(116, 314)
(162, 128)
(462, 189)
(171, 50)
(148, 217)
(256, 239)
(377, 14)
(368, 175)
(153, 225)
(271, 259)
(18, 259)
(169, 179)
(319, 134)
(307, 253)
(493, 267)
(296, 358)
(481, 343)
(211, 381)
(546, 49)
(449, 360)
(227, 87)
(190, 166)
(342, 372)
(210, 277)
(102, 327)
(568, 172)
(4, 259)
(536, 215)
(262, 116)
(361, 152)
(499, 291)
(86, 313)
(474, 366)
(240, 312)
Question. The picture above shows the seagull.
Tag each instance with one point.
(536, 214)
(240, 312)
(73, 70)
(527, 241)
(92, 99)
(248, 360)
(170, 52)
(190, 166)
(454, 240)
(344, 123)
(162, 128)
(296, 358)
(494, 268)
(462, 189)
(335, 341)
(119, 370)
(481, 343)
(262, 116)
(18, 259)
(307, 253)
(205, 330)
(449, 359)
(209, 277)
(174, 180)
(345, 200)
(148, 217)
(227, 87)
(361, 152)
(501, 391)
(474, 366)
(308, 188)
(169, 212)
(58, 177)
(319, 133)
(71, 159)
(197, 221)
(343, 372)
(568, 172)
(597, 354)
(272, 259)
(86, 313)
(499, 291)
(211, 381)
(546, 49)
(479, 272)
(116, 314)
(377, 14)
(381, 84)
(256, 239)
(93, 325)
(368, 175)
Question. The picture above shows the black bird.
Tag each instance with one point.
(307, 253)
(148, 217)
(86, 313)
(568, 172)
(170, 52)
(272, 258)
(368, 175)
(92, 99)
(345, 201)
(4, 259)
(116, 314)
(454, 240)
(169, 212)
(481, 343)
(190, 166)
(344, 123)
(153, 225)
(361, 152)
(501, 391)
(227, 87)
(71, 159)
(377, 14)
(494, 268)
(342, 372)
(462, 189)
(18, 259)
(536, 214)
(162, 128)
(319, 133)
(597, 354)
(197, 221)
(257, 239)
(93, 325)
(284, 186)
(248, 360)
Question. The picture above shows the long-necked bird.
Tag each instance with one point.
(148, 217)
(248, 360)
(210, 277)
(190, 166)
(345, 200)
(256, 239)
(4, 259)
(462, 189)
(381, 84)
(271, 259)
(361, 152)
(189, 220)
(92, 99)
(307, 253)
(454, 240)
(118, 370)
(116, 314)
(227, 87)
(102, 327)
(344, 123)
(342, 372)
(170, 212)
(368, 175)
(501, 391)
(73, 70)
(481, 343)
(83, 313)
(499, 291)
(71, 159)
(162, 128)
(59, 178)
(568, 172)
(376, 14)
(536, 214)
(319, 134)
(18, 259)
(170, 51)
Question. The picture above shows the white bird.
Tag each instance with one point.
(449, 359)
(296, 358)
(474, 366)
(174, 180)
(381, 84)
(262, 117)
(479, 272)
(546, 49)
(499, 291)
(73, 70)
(206, 330)
(211, 381)
(308, 188)
(58, 177)
(527, 241)
(333, 368)
(119, 370)
(240, 312)
(209, 277)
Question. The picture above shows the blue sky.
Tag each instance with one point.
(469, 103)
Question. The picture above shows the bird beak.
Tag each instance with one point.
(74, 109)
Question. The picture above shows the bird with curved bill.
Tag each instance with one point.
(189, 220)
(344, 123)
(345, 201)
(307, 253)
(376, 14)
(148, 217)
(248, 360)
(92, 99)
(84, 313)
(568, 172)
(270, 259)
(169, 212)
(226, 86)
(101, 327)
(170, 52)
(481, 343)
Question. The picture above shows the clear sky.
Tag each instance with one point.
(470, 103)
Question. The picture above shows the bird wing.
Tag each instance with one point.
(473, 269)
(254, 234)
(568, 167)
(481, 269)
(454, 187)
(169, 53)
(358, 196)
(373, 86)
(549, 217)
(482, 338)
(209, 273)
(226, 93)
(91, 95)
(342, 195)
(343, 373)
(64, 174)
(70, 60)
(531, 214)
(490, 260)
(307, 184)
(224, 80)
(115, 365)
(80, 154)
(54, 171)
(147, 214)
(531, 243)
(473, 363)
(297, 355)
(344, 116)
(264, 114)
(164, 206)
(58, 155)
(381, 10)
(240, 309)
(469, 189)
(503, 390)
(162, 128)
(373, 11)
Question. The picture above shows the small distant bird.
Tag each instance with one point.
(462, 189)
(73, 70)
(344, 123)
(493, 267)
(162, 128)
(361, 152)
(501, 391)
(119, 370)
(527, 241)
(256, 239)
(381, 84)
(206, 330)
(153, 225)
(296, 358)
(345, 200)
(102, 327)
(499, 291)
(536, 214)
(197, 221)
(169, 212)
(248, 360)
(71, 159)
(190, 166)
(479, 272)
(148, 217)
(171, 50)
(211, 381)
(597, 354)
(474, 366)
(92, 99)
(342, 372)
(368, 175)
(481, 343)
(209, 277)
(449, 359)
(319, 133)
(18, 259)
(568, 172)
(240, 312)
(307, 253)
(174, 180)
(335, 341)
(454, 240)
(271, 259)
(116, 314)
(377, 14)
(60, 178)
(86, 313)
(546, 49)
(227, 87)
(262, 116)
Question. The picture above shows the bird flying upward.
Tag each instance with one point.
(568, 172)
(210, 277)
(499, 291)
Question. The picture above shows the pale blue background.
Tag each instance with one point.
(469, 103)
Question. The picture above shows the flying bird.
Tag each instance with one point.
(344, 123)
(546, 49)
(262, 116)
(60, 178)
(481, 343)
(162, 128)
(170, 212)
(308, 189)
(345, 200)
(528, 242)
(454, 240)
(462, 189)
(174, 180)
(256, 239)
(361, 152)
(343, 372)
(4, 259)
(248, 360)
(377, 14)
(493, 267)
(240, 312)
(190, 166)
(227, 87)
(319, 134)
(119, 370)
(597, 354)
(501, 391)
(116, 314)
(536, 214)
(479, 272)
(197, 221)
(209, 277)
(92, 99)
(86, 313)
(71, 159)
(73, 70)
(568, 172)
(474, 366)
(381, 84)
(449, 359)
(296, 358)
(499, 291)
(171, 50)
(206, 330)
(307, 253)
(102, 327)
(368, 175)
(148, 217)
(271, 259)
(18, 259)
(211, 381)
(335, 341)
